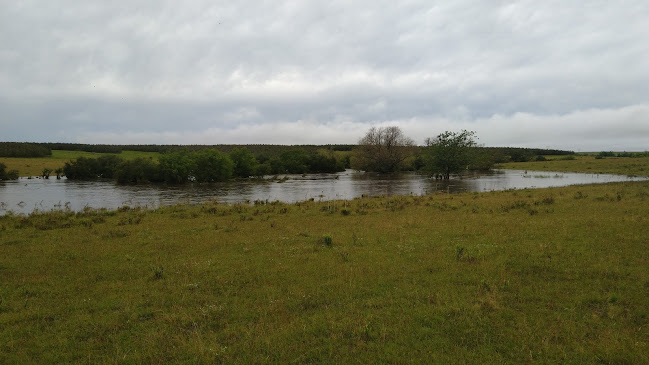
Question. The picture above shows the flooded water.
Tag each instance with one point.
(24, 196)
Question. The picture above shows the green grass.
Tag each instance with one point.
(531, 276)
(634, 166)
(34, 166)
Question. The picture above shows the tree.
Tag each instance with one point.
(212, 165)
(83, 168)
(450, 152)
(383, 149)
(245, 164)
(137, 171)
(294, 162)
(176, 167)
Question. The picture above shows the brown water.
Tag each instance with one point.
(24, 196)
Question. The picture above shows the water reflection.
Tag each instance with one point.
(27, 195)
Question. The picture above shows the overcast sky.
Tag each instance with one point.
(569, 74)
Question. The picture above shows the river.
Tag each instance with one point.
(25, 196)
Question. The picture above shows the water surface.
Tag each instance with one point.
(26, 195)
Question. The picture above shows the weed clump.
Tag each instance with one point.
(326, 240)
(158, 272)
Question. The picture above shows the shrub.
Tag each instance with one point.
(7, 175)
(327, 240)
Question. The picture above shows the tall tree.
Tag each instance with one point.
(383, 149)
(450, 152)
(245, 164)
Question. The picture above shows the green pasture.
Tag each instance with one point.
(530, 276)
(633, 166)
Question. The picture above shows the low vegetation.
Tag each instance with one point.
(531, 276)
(7, 175)
(33, 166)
(206, 165)
(632, 166)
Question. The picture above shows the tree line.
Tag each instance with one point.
(260, 150)
(205, 165)
(23, 149)
(382, 150)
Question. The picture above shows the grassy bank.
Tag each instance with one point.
(549, 276)
(633, 166)
(33, 166)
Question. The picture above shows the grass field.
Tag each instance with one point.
(34, 166)
(530, 276)
(634, 166)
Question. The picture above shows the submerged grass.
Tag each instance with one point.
(551, 276)
(633, 166)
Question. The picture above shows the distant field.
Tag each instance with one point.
(633, 166)
(553, 276)
(35, 166)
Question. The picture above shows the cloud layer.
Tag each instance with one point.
(564, 74)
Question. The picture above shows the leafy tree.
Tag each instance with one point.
(263, 169)
(83, 168)
(176, 167)
(450, 152)
(383, 149)
(107, 165)
(212, 165)
(294, 162)
(245, 164)
(137, 171)
(324, 161)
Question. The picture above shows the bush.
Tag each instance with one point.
(82, 168)
(212, 165)
(7, 175)
(327, 240)
(137, 171)
(245, 164)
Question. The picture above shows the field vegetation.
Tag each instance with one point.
(632, 166)
(531, 276)
(34, 166)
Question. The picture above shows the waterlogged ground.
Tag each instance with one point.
(27, 195)
(551, 276)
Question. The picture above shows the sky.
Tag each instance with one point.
(569, 74)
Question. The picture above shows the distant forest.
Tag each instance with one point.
(261, 151)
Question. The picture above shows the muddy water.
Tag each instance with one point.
(24, 196)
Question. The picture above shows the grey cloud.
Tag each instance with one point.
(159, 69)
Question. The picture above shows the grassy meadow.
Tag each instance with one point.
(554, 275)
(33, 166)
(633, 166)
